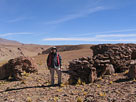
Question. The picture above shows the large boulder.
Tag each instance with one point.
(82, 69)
(119, 55)
(107, 59)
(16, 67)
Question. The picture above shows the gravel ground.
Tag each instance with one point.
(36, 87)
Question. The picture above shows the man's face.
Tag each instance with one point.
(54, 50)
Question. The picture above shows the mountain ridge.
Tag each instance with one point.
(9, 42)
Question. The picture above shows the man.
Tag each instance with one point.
(54, 64)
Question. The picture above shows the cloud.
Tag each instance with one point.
(116, 35)
(88, 39)
(99, 38)
(65, 39)
(17, 19)
(107, 32)
(77, 15)
(20, 33)
(117, 31)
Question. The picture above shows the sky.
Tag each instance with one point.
(62, 22)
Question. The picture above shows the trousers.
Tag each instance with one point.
(58, 71)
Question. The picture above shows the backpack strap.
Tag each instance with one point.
(58, 59)
(50, 58)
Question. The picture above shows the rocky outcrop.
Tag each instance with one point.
(83, 69)
(119, 55)
(107, 59)
(15, 68)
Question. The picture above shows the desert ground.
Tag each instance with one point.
(36, 87)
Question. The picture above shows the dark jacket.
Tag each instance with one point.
(54, 60)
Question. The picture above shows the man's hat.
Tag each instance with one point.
(53, 48)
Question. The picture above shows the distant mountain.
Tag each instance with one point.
(63, 48)
(8, 42)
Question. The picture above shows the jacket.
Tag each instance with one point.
(54, 60)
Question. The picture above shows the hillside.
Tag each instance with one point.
(8, 42)
(63, 48)
(11, 49)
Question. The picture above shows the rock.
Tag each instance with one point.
(16, 67)
(119, 55)
(3, 73)
(132, 70)
(93, 75)
(109, 69)
(107, 59)
(90, 98)
(83, 69)
(133, 55)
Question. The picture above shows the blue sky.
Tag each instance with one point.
(58, 22)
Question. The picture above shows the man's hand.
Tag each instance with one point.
(59, 68)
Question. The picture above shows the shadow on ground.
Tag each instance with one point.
(29, 87)
(122, 80)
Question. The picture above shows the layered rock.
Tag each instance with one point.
(107, 59)
(16, 67)
(82, 69)
(119, 55)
